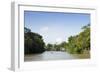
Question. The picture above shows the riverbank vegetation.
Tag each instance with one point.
(77, 44)
(33, 42)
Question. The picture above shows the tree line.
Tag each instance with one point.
(76, 44)
(81, 42)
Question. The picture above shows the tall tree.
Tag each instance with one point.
(33, 42)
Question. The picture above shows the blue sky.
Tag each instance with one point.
(55, 27)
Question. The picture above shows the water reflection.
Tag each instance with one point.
(49, 55)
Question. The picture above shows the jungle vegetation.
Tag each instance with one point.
(77, 44)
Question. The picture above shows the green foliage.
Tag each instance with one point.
(56, 47)
(33, 43)
(80, 42)
(76, 44)
(49, 47)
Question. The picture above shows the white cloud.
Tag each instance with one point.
(44, 29)
(58, 40)
(44, 32)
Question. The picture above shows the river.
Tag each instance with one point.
(48, 55)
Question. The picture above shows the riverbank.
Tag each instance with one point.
(85, 55)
